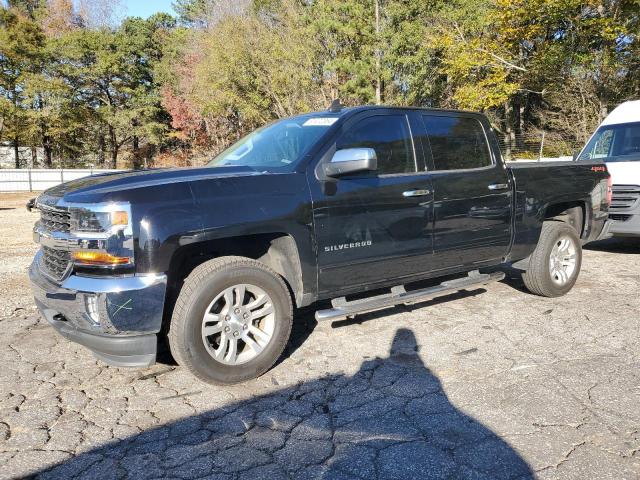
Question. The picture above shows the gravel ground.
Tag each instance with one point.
(494, 383)
(16, 251)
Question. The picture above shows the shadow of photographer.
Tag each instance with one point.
(391, 420)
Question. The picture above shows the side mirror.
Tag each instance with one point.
(351, 160)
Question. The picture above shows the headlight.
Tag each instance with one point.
(104, 233)
(86, 220)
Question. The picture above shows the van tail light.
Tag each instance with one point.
(609, 190)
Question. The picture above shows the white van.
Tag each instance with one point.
(617, 142)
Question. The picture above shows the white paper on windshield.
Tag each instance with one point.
(320, 122)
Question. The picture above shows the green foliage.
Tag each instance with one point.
(32, 8)
(411, 63)
(192, 12)
(21, 60)
(84, 90)
(347, 34)
(196, 83)
(251, 72)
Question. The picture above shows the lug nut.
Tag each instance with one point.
(227, 329)
(245, 316)
(227, 317)
(237, 310)
(235, 334)
(244, 327)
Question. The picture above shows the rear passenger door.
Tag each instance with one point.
(471, 188)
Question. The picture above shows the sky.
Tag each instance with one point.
(145, 8)
(140, 8)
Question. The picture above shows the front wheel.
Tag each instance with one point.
(231, 321)
(555, 263)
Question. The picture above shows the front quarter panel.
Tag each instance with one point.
(164, 218)
(260, 204)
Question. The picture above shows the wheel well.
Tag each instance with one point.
(572, 213)
(276, 250)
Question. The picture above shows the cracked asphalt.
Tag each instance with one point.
(489, 384)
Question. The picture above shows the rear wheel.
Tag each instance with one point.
(555, 263)
(231, 321)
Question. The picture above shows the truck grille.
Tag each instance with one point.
(55, 219)
(619, 218)
(55, 262)
(625, 197)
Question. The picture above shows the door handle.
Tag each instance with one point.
(416, 193)
(499, 186)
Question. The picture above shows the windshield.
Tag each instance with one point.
(614, 143)
(275, 147)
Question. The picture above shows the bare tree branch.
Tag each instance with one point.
(491, 54)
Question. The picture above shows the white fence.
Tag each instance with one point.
(565, 158)
(30, 180)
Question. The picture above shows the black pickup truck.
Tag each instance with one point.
(329, 205)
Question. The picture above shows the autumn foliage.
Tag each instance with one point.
(89, 87)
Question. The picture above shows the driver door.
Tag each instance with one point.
(374, 227)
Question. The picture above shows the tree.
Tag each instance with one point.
(576, 54)
(112, 73)
(193, 12)
(96, 14)
(31, 8)
(175, 72)
(202, 14)
(84, 84)
(60, 18)
(525, 62)
(346, 31)
(244, 71)
(21, 58)
(409, 62)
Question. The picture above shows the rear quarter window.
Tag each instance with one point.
(457, 143)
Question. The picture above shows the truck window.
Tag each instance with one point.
(457, 142)
(276, 147)
(389, 136)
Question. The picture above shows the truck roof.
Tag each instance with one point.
(626, 112)
(361, 108)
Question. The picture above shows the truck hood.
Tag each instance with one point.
(624, 173)
(130, 180)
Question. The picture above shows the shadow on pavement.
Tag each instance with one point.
(391, 420)
(616, 245)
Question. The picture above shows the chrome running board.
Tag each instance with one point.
(343, 309)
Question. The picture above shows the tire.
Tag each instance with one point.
(211, 358)
(542, 277)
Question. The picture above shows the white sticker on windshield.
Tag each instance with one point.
(320, 122)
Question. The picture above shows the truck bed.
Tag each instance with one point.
(540, 184)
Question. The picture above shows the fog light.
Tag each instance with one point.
(91, 307)
(91, 257)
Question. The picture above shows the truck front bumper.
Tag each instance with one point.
(606, 230)
(117, 318)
